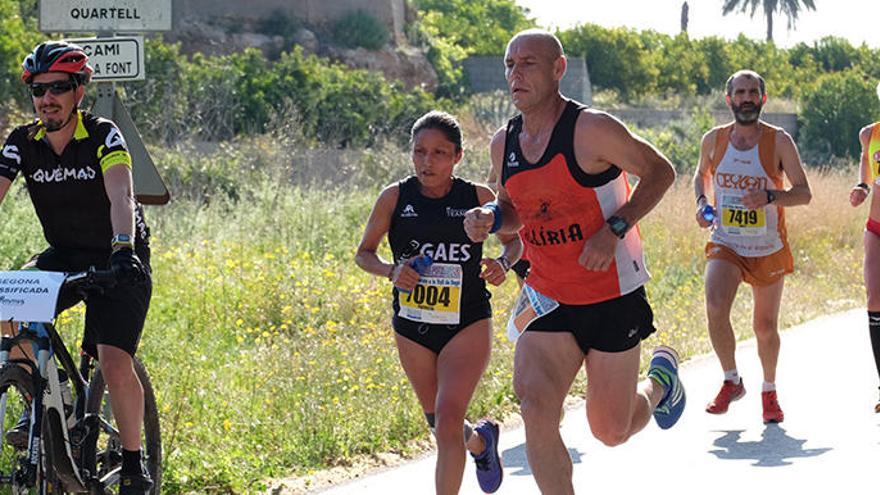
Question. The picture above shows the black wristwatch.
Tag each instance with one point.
(619, 226)
(862, 185)
(771, 196)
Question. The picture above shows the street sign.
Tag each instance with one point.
(115, 59)
(76, 16)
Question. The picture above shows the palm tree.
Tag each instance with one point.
(791, 9)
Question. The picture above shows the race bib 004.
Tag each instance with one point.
(736, 219)
(436, 299)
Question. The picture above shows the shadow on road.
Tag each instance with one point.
(774, 448)
(516, 458)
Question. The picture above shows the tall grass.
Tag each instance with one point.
(272, 354)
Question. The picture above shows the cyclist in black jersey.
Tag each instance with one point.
(442, 315)
(78, 174)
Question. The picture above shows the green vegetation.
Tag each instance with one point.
(217, 98)
(220, 97)
(833, 113)
(18, 35)
(269, 350)
(680, 140)
(360, 29)
(455, 29)
(639, 66)
(481, 27)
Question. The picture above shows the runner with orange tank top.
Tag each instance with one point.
(564, 185)
(869, 171)
(742, 168)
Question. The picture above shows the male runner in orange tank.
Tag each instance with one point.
(745, 163)
(562, 174)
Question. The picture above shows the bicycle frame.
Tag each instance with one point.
(66, 452)
(47, 400)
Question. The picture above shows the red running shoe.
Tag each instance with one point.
(772, 412)
(728, 393)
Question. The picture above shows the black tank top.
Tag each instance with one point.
(435, 226)
(561, 142)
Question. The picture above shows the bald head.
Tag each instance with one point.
(544, 41)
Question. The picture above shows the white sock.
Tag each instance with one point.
(732, 375)
(768, 387)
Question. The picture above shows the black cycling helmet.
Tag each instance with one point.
(57, 56)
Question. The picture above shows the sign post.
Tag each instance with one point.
(116, 59)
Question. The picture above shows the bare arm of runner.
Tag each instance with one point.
(118, 185)
(494, 270)
(403, 275)
(703, 176)
(601, 141)
(478, 221)
(799, 193)
(858, 194)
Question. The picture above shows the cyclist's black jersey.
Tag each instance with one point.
(435, 226)
(68, 190)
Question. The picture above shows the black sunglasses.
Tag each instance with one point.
(56, 88)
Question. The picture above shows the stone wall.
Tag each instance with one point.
(392, 13)
(487, 74)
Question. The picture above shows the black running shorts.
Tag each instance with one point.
(435, 337)
(615, 325)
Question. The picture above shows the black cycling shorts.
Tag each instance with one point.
(115, 317)
(435, 337)
(615, 325)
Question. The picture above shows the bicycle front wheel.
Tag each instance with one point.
(108, 450)
(16, 394)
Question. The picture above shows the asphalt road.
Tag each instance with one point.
(829, 442)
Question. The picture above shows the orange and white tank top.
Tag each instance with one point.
(749, 233)
(560, 207)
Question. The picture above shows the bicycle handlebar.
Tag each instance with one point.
(90, 280)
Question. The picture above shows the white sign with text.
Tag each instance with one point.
(115, 59)
(29, 295)
(76, 16)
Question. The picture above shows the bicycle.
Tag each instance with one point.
(72, 443)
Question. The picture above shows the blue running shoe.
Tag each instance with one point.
(489, 468)
(664, 370)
